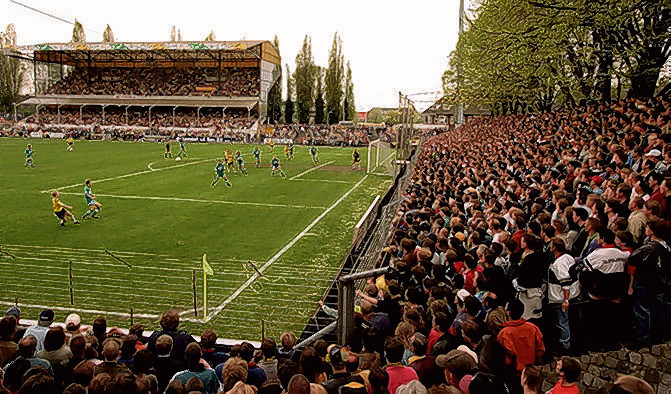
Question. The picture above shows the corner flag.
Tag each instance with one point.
(207, 270)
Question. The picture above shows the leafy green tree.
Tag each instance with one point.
(78, 35)
(304, 77)
(350, 108)
(319, 101)
(392, 117)
(375, 116)
(334, 82)
(11, 78)
(289, 103)
(275, 93)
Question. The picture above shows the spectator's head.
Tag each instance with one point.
(457, 364)
(27, 346)
(46, 318)
(75, 388)
(412, 387)
(54, 339)
(311, 364)
(14, 311)
(164, 345)
(99, 326)
(298, 384)
(73, 322)
(83, 373)
(143, 361)
(288, 340)
(234, 370)
(194, 384)
(192, 354)
(337, 357)
(38, 381)
(77, 345)
(100, 383)
(473, 306)
(7, 327)
(269, 348)
(531, 378)
(169, 320)
(515, 309)
(393, 350)
(379, 381)
(441, 322)
(175, 387)
(246, 351)
(110, 349)
(286, 370)
(208, 339)
(418, 344)
(569, 369)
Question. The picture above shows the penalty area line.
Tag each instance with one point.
(259, 204)
(309, 170)
(127, 175)
(277, 255)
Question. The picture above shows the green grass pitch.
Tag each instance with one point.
(160, 216)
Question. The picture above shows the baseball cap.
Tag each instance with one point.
(14, 311)
(336, 354)
(596, 179)
(654, 152)
(73, 320)
(468, 351)
(465, 382)
(46, 317)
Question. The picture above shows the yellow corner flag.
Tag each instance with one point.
(207, 270)
(206, 266)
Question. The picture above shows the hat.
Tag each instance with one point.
(46, 318)
(460, 236)
(73, 320)
(471, 353)
(457, 362)
(596, 179)
(14, 311)
(654, 152)
(462, 294)
(336, 354)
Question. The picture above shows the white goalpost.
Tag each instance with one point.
(380, 158)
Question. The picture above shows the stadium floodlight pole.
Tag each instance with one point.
(460, 104)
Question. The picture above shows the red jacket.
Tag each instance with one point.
(523, 342)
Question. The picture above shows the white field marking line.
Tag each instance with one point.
(127, 175)
(80, 250)
(90, 311)
(309, 170)
(291, 243)
(257, 204)
(322, 180)
(156, 161)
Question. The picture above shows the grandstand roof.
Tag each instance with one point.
(155, 54)
(157, 101)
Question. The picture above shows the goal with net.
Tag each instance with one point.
(380, 158)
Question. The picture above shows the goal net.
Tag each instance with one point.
(380, 158)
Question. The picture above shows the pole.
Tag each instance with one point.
(193, 283)
(72, 294)
(131, 315)
(460, 104)
(263, 329)
(204, 295)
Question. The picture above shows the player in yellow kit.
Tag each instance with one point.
(70, 144)
(61, 210)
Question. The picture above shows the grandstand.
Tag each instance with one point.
(158, 88)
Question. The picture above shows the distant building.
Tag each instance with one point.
(443, 111)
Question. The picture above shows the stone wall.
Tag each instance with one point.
(598, 369)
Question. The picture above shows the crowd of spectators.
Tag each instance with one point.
(160, 82)
(529, 236)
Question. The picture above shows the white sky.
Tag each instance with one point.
(392, 45)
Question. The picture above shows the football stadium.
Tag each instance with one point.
(191, 216)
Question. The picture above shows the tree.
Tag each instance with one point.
(350, 109)
(289, 104)
(334, 82)
(11, 79)
(211, 36)
(275, 94)
(304, 78)
(108, 35)
(392, 117)
(78, 35)
(319, 101)
(375, 116)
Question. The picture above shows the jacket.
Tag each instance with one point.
(523, 342)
